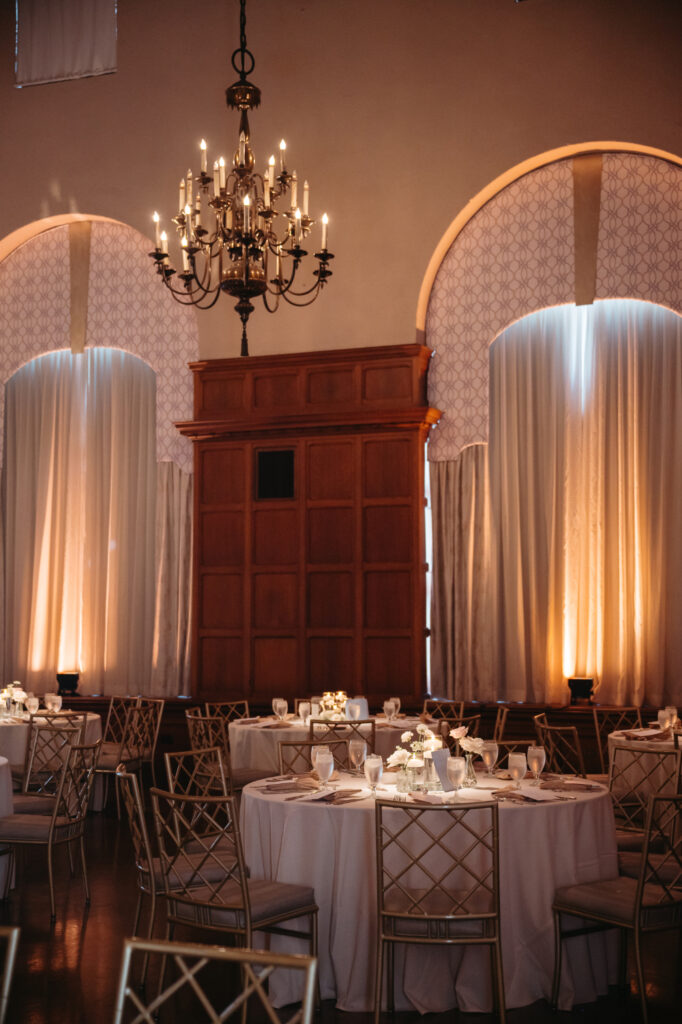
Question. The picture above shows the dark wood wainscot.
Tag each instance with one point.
(309, 569)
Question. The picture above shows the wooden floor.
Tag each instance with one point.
(67, 973)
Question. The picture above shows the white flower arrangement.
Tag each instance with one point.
(459, 732)
(472, 745)
(426, 740)
(399, 758)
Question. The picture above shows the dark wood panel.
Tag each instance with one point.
(331, 385)
(221, 663)
(223, 393)
(330, 535)
(387, 383)
(330, 664)
(275, 600)
(221, 538)
(330, 600)
(387, 534)
(389, 664)
(275, 536)
(221, 601)
(388, 600)
(222, 476)
(388, 469)
(275, 666)
(275, 390)
(331, 470)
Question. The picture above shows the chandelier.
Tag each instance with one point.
(242, 232)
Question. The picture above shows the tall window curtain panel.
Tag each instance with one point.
(585, 468)
(79, 488)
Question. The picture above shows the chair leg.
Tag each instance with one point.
(498, 981)
(85, 871)
(379, 977)
(71, 863)
(640, 975)
(150, 929)
(53, 913)
(390, 971)
(117, 790)
(623, 959)
(556, 981)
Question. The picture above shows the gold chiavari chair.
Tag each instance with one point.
(563, 750)
(66, 824)
(437, 884)
(116, 719)
(295, 756)
(323, 731)
(231, 710)
(206, 881)
(500, 723)
(443, 708)
(49, 743)
(608, 720)
(127, 750)
(196, 772)
(650, 902)
(10, 935)
(471, 723)
(209, 731)
(151, 713)
(192, 991)
(635, 775)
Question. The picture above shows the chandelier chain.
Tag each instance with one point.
(239, 62)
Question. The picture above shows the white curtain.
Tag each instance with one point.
(63, 39)
(171, 653)
(586, 490)
(79, 497)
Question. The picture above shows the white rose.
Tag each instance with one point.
(398, 757)
(472, 744)
(406, 737)
(459, 732)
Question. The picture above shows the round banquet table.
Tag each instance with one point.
(641, 739)
(542, 846)
(14, 736)
(254, 742)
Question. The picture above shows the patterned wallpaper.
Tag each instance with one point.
(516, 255)
(127, 308)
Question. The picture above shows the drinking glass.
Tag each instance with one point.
(374, 769)
(536, 762)
(516, 763)
(280, 707)
(396, 701)
(314, 709)
(489, 755)
(389, 710)
(56, 702)
(673, 714)
(324, 766)
(663, 718)
(304, 711)
(357, 751)
(456, 769)
(32, 705)
(352, 711)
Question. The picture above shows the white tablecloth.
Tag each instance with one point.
(254, 745)
(6, 807)
(14, 736)
(542, 846)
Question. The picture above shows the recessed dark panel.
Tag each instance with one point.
(275, 474)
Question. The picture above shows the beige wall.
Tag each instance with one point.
(397, 112)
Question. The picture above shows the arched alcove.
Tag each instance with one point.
(107, 279)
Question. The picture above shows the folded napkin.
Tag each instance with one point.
(649, 735)
(427, 798)
(245, 721)
(335, 796)
(289, 787)
(561, 786)
(277, 725)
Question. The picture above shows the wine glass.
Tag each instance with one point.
(357, 751)
(56, 702)
(324, 765)
(389, 710)
(32, 704)
(516, 763)
(280, 707)
(396, 702)
(304, 711)
(536, 762)
(489, 754)
(456, 769)
(374, 769)
(672, 712)
(315, 709)
(352, 710)
(663, 717)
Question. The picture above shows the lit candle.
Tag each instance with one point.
(221, 169)
(164, 247)
(306, 197)
(189, 187)
(216, 178)
(271, 169)
(181, 202)
(325, 222)
(204, 157)
(242, 148)
(278, 266)
(228, 219)
(197, 211)
(185, 257)
(282, 151)
(157, 229)
(297, 217)
(266, 189)
(247, 213)
(294, 190)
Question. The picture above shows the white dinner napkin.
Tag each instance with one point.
(440, 763)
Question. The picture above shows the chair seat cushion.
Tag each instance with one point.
(33, 803)
(411, 909)
(614, 899)
(28, 828)
(269, 900)
(183, 871)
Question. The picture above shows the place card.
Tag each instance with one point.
(439, 759)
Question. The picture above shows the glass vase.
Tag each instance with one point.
(415, 775)
(470, 775)
(431, 781)
(402, 782)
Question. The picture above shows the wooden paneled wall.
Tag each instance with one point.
(321, 587)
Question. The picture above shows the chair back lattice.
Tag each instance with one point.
(10, 935)
(201, 855)
(191, 983)
(500, 723)
(470, 722)
(150, 714)
(323, 731)
(660, 879)
(438, 866)
(196, 772)
(135, 735)
(608, 720)
(71, 805)
(295, 756)
(116, 718)
(142, 848)
(635, 775)
(49, 744)
(443, 708)
(563, 750)
(208, 731)
(231, 710)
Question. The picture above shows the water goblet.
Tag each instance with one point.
(389, 710)
(663, 717)
(304, 711)
(32, 705)
(672, 712)
(374, 768)
(536, 762)
(352, 710)
(516, 763)
(489, 754)
(357, 751)
(456, 769)
(315, 709)
(396, 701)
(324, 766)
(56, 702)
(280, 707)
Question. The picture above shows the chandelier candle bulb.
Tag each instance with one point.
(306, 198)
(164, 243)
(266, 189)
(181, 203)
(294, 190)
(242, 149)
(157, 230)
(271, 171)
(325, 223)
(297, 218)
(216, 177)
(185, 257)
(247, 213)
(204, 156)
(282, 151)
(221, 168)
(188, 222)
(189, 180)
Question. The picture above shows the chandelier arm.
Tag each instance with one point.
(275, 307)
(300, 304)
(185, 298)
